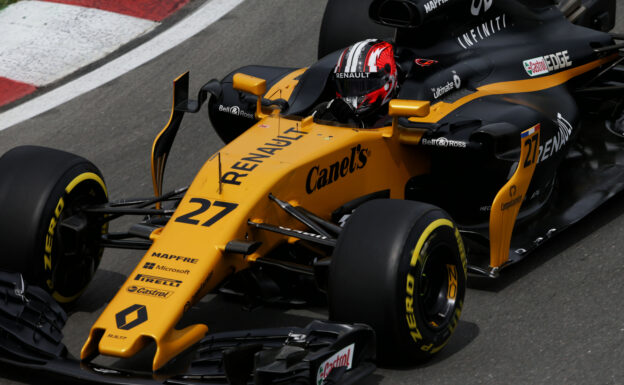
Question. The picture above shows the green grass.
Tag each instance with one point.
(4, 3)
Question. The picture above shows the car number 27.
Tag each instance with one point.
(190, 218)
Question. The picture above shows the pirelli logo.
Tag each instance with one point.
(158, 280)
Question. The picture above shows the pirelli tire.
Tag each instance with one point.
(400, 267)
(40, 188)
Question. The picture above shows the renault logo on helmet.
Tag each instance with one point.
(352, 75)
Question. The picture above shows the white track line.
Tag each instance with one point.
(183, 30)
(43, 42)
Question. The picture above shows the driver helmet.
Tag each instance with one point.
(366, 75)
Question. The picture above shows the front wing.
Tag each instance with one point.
(31, 325)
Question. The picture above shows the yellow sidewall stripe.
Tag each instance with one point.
(68, 189)
(423, 237)
(83, 177)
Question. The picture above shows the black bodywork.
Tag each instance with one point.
(474, 149)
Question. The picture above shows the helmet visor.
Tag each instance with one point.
(358, 83)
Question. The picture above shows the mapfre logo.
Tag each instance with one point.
(480, 6)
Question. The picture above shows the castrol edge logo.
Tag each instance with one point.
(342, 358)
(548, 63)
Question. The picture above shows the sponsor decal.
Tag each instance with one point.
(480, 5)
(448, 87)
(115, 336)
(451, 292)
(530, 131)
(536, 66)
(342, 358)
(158, 280)
(174, 257)
(482, 31)
(425, 62)
(512, 192)
(142, 290)
(47, 255)
(320, 177)
(131, 317)
(432, 5)
(439, 91)
(303, 232)
(152, 266)
(443, 142)
(249, 162)
(548, 63)
(352, 75)
(236, 111)
(296, 337)
(485, 208)
(557, 142)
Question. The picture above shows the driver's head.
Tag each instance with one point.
(366, 75)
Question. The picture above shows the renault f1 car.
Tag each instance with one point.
(507, 128)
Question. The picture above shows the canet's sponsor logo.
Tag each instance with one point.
(319, 177)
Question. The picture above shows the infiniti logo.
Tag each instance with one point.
(475, 7)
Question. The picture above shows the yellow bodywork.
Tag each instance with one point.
(509, 199)
(304, 163)
(300, 162)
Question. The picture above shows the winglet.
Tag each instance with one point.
(164, 140)
(507, 203)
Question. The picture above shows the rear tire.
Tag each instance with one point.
(40, 188)
(400, 267)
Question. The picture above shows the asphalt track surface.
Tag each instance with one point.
(555, 318)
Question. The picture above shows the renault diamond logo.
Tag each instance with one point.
(131, 317)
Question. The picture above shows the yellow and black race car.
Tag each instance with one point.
(507, 128)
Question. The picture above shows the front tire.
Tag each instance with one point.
(40, 189)
(400, 266)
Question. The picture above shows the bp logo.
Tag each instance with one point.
(131, 317)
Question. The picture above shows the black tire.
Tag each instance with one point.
(346, 22)
(400, 267)
(39, 188)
